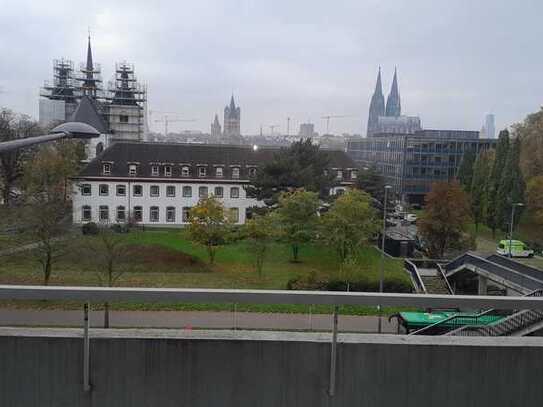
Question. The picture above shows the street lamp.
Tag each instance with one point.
(66, 130)
(382, 265)
(511, 226)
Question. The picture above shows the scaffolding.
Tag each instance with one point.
(63, 87)
(90, 79)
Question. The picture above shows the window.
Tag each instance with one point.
(103, 189)
(153, 214)
(202, 171)
(137, 190)
(339, 174)
(132, 169)
(185, 171)
(121, 190)
(234, 192)
(218, 172)
(121, 214)
(138, 213)
(202, 192)
(106, 169)
(235, 172)
(252, 172)
(353, 174)
(186, 214)
(86, 189)
(154, 170)
(167, 171)
(154, 190)
(170, 214)
(233, 214)
(123, 118)
(86, 213)
(340, 191)
(187, 192)
(104, 213)
(219, 192)
(170, 190)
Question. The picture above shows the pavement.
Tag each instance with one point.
(195, 320)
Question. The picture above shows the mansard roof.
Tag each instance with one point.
(177, 155)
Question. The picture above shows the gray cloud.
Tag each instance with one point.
(300, 59)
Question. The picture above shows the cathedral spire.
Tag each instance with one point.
(377, 106)
(89, 57)
(393, 107)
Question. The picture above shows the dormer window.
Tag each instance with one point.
(185, 171)
(353, 174)
(339, 174)
(154, 170)
(235, 172)
(106, 169)
(202, 171)
(218, 172)
(167, 171)
(132, 170)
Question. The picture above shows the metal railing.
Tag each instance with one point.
(518, 278)
(516, 322)
(413, 271)
(457, 322)
(444, 277)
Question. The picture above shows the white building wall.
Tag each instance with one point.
(146, 201)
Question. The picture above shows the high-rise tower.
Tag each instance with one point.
(377, 106)
(232, 116)
(394, 107)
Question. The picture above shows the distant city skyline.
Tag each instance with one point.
(304, 60)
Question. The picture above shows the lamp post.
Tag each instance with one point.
(511, 226)
(66, 130)
(382, 265)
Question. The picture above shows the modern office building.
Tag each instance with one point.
(410, 163)
(489, 128)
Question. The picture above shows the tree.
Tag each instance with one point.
(479, 186)
(209, 225)
(349, 223)
(296, 218)
(534, 193)
(465, 171)
(511, 187)
(259, 232)
(301, 165)
(13, 127)
(502, 148)
(370, 181)
(530, 132)
(109, 254)
(444, 222)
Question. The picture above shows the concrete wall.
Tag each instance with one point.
(43, 367)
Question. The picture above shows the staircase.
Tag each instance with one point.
(435, 285)
(520, 323)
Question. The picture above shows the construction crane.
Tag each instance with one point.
(166, 120)
(333, 116)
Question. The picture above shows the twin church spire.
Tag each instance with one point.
(377, 104)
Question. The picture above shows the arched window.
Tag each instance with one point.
(99, 148)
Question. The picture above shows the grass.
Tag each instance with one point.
(167, 258)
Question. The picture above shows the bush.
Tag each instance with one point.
(391, 284)
(120, 228)
(90, 228)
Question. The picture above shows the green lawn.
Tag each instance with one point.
(162, 258)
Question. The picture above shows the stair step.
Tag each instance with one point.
(435, 285)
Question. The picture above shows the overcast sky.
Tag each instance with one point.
(457, 59)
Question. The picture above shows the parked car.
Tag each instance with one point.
(514, 248)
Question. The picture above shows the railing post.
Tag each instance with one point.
(86, 348)
(333, 355)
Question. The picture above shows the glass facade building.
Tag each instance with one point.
(411, 163)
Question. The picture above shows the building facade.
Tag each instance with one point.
(158, 183)
(411, 163)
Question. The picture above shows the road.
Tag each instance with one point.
(194, 319)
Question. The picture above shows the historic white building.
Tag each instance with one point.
(157, 183)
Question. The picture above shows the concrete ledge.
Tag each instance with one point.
(272, 336)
